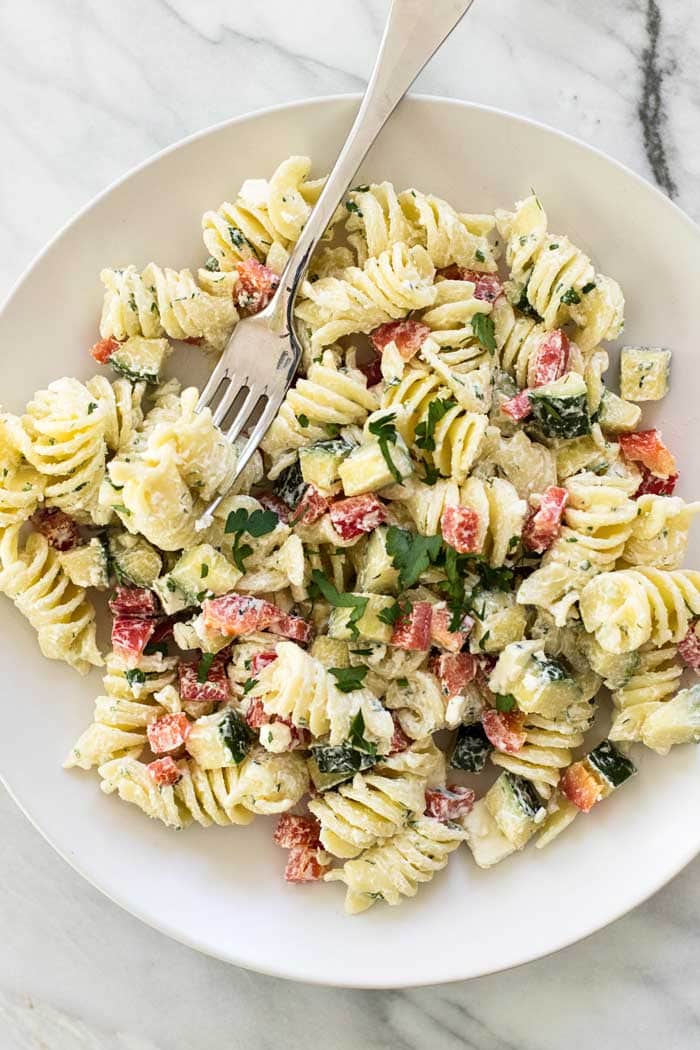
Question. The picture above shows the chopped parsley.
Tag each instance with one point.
(570, 297)
(411, 553)
(354, 208)
(348, 678)
(425, 431)
(248, 685)
(479, 255)
(205, 667)
(203, 570)
(92, 407)
(505, 702)
(303, 420)
(394, 612)
(385, 432)
(212, 264)
(483, 329)
(587, 288)
(356, 736)
(341, 600)
(257, 523)
(135, 676)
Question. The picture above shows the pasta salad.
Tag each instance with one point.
(456, 552)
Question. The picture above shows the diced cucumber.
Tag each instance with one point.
(368, 625)
(134, 559)
(331, 652)
(645, 373)
(472, 748)
(204, 571)
(514, 805)
(341, 760)
(87, 566)
(617, 416)
(675, 722)
(290, 486)
(582, 453)
(561, 408)
(615, 668)
(366, 469)
(171, 597)
(498, 621)
(539, 684)
(487, 843)
(320, 462)
(194, 634)
(556, 822)
(376, 572)
(141, 359)
(218, 740)
(610, 764)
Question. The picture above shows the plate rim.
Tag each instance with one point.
(281, 970)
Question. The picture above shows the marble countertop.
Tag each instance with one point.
(88, 88)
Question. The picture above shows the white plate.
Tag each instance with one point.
(221, 890)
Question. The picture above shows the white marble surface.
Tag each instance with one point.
(89, 88)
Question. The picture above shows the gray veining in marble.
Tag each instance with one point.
(88, 88)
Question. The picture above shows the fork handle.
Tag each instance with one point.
(414, 31)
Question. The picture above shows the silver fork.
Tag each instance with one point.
(263, 353)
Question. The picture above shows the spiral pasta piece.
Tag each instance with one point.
(395, 868)
(162, 302)
(373, 806)
(271, 783)
(547, 750)
(659, 536)
(597, 524)
(379, 218)
(298, 687)
(501, 515)
(265, 219)
(559, 281)
(123, 712)
(66, 428)
(456, 436)
(21, 486)
(420, 704)
(31, 575)
(518, 338)
(360, 299)
(656, 678)
(630, 607)
(121, 400)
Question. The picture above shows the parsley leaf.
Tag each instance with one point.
(341, 600)
(356, 736)
(394, 612)
(425, 431)
(505, 702)
(411, 554)
(571, 297)
(303, 420)
(385, 432)
(257, 523)
(483, 329)
(204, 667)
(348, 678)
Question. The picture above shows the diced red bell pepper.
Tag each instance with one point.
(310, 508)
(689, 650)
(543, 524)
(487, 286)
(130, 637)
(408, 336)
(460, 528)
(580, 786)
(235, 614)
(372, 370)
(399, 741)
(652, 484)
(294, 627)
(256, 715)
(646, 446)
(103, 350)
(272, 502)
(293, 831)
(61, 532)
(449, 803)
(413, 631)
(550, 360)
(168, 733)
(255, 286)
(356, 515)
(440, 633)
(214, 688)
(134, 601)
(504, 729)
(164, 771)
(260, 661)
(518, 407)
(455, 671)
(303, 865)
